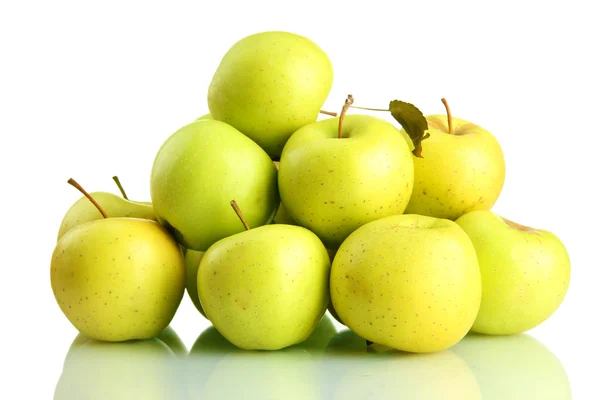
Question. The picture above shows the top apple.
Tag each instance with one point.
(270, 84)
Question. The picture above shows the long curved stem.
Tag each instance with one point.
(77, 186)
(237, 210)
(118, 182)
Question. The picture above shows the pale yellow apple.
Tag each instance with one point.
(459, 172)
(524, 271)
(409, 282)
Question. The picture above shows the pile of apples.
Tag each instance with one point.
(270, 217)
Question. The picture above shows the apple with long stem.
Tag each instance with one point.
(117, 279)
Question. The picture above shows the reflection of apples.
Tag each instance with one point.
(145, 369)
(217, 369)
(514, 367)
(524, 273)
(352, 371)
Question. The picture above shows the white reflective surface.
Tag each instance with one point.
(330, 365)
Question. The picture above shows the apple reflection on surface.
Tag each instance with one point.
(144, 369)
(219, 370)
(516, 367)
(352, 370)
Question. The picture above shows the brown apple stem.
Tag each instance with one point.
(448, 114)
(116, 179)
(347, 104)
(77, 186)
(333, 114)
(237, 210)
(371, 109)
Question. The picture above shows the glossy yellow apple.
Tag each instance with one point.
(525, 273)
(409, 282)
(462, 170)
(118, 279)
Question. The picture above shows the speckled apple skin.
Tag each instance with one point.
(458, 173)
(270, 84)
(266, 288)
(409, 282)
(118, 279)
(332, 186)
(525, 273)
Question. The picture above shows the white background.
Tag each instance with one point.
(92, 89)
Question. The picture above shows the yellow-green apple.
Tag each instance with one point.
(333, 185)
(118, 279)
(201, 167)
(265, 288)
(270, 84)
(525, 273)
(409, 282)
(461, 169)
(516, 367)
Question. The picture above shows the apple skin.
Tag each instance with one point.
(270, 84)
(525, 273)
(83, 210)
(332, 186)
(118, 279)
(199, 170)
(516, 367)
(459, 172)
(409, 282)
(265, 288)
(192, 262)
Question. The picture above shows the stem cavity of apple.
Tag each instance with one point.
(77, 186)
(237, 210)
(116, 179)
(347, 104)
(448, 114)
(331, 113)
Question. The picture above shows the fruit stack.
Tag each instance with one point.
(270, 217)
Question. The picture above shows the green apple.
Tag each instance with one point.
(198, 170)
(409, 282)
(192, 262)
(118, 279)
(319, 339)
(282, 216)
(265, 288)
(516, 367)
(270, 84)
(83, 210)
(525, 273)
(462, 170)
(136, 369)
(334, 185)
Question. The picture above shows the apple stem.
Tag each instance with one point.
(448, 114)
(237, 210)
(77, 186)
(347, 104)
(371, 109)
(116, 179)
(333, 114)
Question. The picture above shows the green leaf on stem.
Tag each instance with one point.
(413, 121)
